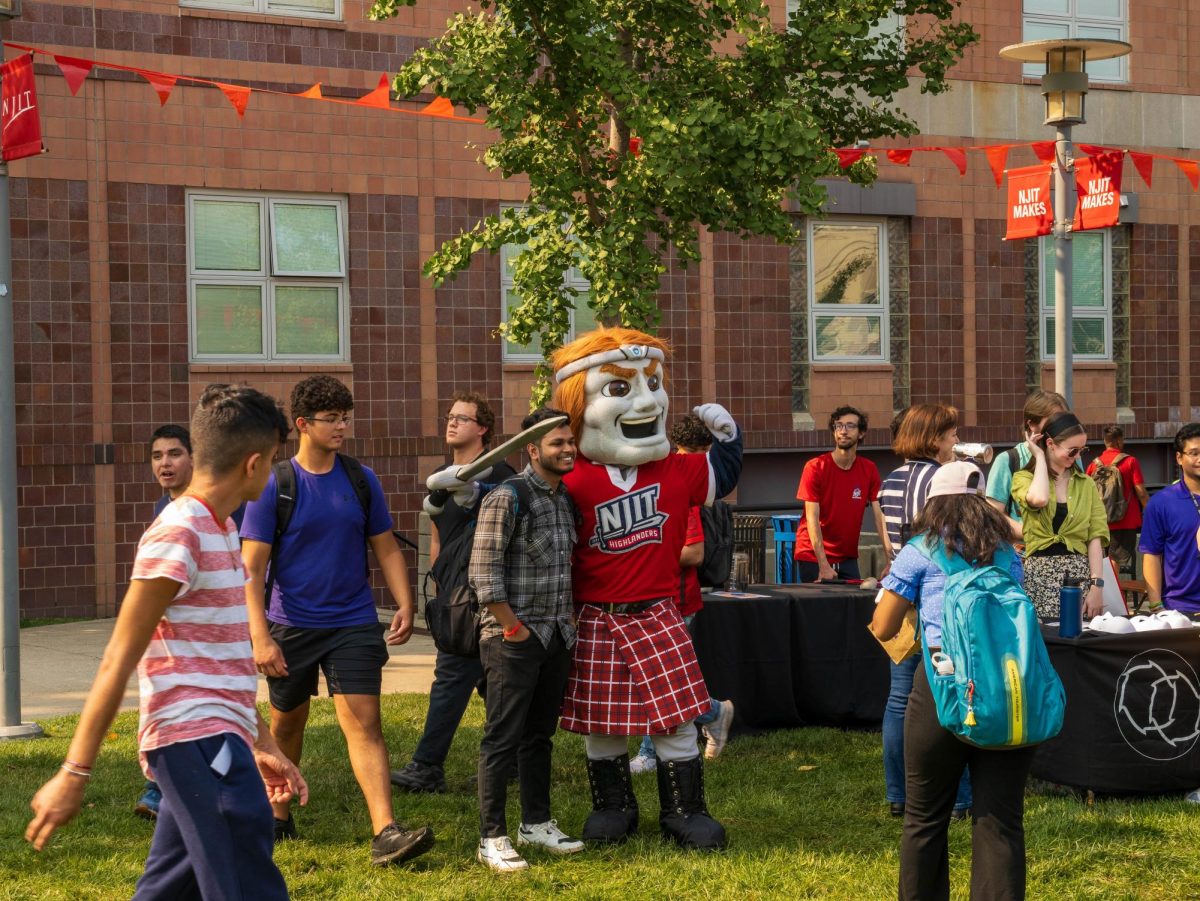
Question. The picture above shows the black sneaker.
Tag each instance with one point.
(285, 830)
(396, 844)
(420, 778)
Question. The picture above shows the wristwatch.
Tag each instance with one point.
(1099, 583)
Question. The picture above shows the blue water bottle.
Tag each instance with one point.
(1070, 613)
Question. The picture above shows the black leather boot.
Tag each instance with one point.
(683, 815)
(614, 815)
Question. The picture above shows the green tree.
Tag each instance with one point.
(735, 118)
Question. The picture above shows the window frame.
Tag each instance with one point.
(866, 311)
(266, 279)
(1046, 301)
(1073, 20)
(572, 278)
(264, 8)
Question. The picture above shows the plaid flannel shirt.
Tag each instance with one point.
(529, 565)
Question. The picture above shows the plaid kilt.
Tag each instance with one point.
(633, 674)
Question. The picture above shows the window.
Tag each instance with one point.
(847, 282)
(266, 278)
(1091, 301)
(310, 9)
(583, 318)
(1107, 19)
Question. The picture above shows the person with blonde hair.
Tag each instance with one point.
(634, 670)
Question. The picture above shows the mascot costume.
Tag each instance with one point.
(634, 671)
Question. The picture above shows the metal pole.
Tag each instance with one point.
(10, 623)
(1064, 213)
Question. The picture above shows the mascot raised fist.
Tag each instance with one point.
(634, 671)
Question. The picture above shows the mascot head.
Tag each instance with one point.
(612, 383)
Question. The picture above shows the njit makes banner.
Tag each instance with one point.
(1098, 184)
(22, 127)
(1029, 211)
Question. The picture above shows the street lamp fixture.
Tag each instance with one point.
(1064, 86)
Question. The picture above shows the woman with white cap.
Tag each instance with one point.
(959, 518)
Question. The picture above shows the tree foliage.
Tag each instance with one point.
(735, 119)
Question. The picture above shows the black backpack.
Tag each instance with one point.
(717, 521)
(452, 612)
(285, 506)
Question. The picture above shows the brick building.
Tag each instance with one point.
(159, 248)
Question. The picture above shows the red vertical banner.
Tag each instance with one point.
(1098, 186)
(1029, 210)
(22, 129)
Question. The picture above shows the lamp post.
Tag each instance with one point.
(10, 607)
(1065, 86)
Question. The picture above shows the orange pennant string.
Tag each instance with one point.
(74, 70)
(847, 158)
(997, 157)
(1189, 168)
(380, 97)
(313, 93)
(958, 156)
(162, 84)
(1043, 150)
(440, 107)
(899, 156)
(237, 94)
(1144, 163)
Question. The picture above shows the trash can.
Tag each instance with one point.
(749, 538)
(784, 527)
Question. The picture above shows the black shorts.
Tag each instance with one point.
(352, 659)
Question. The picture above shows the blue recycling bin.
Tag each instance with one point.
(784, 526)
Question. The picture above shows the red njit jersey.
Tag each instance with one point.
(632, 530)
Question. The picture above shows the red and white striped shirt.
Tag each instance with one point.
(197, 677)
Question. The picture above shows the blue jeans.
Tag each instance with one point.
(893, 736)
(454, 678)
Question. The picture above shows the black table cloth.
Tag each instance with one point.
(1132, 722)
(801, 656)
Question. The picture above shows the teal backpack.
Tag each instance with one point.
(1003, 691)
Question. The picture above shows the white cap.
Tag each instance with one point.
(1106, 622)
(959, 477)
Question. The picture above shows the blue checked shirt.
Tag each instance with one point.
(526, 563)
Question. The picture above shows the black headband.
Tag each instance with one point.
(1060, 423)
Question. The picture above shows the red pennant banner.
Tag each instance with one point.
(847, 158)
(22, 127)
(1029, 211)
(1190, 169)
(379, 97)
(1043, 150)
(313, 93)
(237, 94)
(440, 107)
(75, 71)
(958, 156)
(997, 158)
(900, 157)
(1144, 163)
(635, 146)
(162, 84)
(1098, 186)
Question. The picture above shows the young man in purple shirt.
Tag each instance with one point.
(1170, 542)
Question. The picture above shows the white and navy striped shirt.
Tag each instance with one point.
(902, 496)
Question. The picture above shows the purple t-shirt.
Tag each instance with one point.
(1169, 526)
(321, 568)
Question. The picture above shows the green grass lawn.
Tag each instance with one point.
(804, 810)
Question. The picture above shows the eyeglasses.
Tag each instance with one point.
(334, 420)
(460, 418)
(1073, 452)
(1191, 455)
(845, 426)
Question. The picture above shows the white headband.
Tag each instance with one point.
(624, 352)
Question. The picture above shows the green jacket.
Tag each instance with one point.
(1086, 517)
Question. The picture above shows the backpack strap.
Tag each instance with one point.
(285, 505)
(1014, 463)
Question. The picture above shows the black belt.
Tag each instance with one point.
(635, 607)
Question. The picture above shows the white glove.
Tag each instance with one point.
(430, 507)
(448, 480)
(466, 496)
(717, 420)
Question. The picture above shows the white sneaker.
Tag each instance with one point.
(549, 836)
(717, 732)
(498, 854)
(1193, 797)
(643, 763)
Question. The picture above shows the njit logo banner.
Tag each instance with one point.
(22, 134)
(629, 522)
(1157, 705)
(1098, 184)
(1029, 211)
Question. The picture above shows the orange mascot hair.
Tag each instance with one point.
(569, 395)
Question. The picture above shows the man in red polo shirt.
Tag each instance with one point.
(1122, 546)
(836, 488)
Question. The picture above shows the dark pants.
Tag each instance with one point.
(847, 569)
(214, 837)
(454, 678)
(1122, 548)
(933, 760)
(525, 685)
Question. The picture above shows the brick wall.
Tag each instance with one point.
(936, 311)
(1154, 320)
(999, 325)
